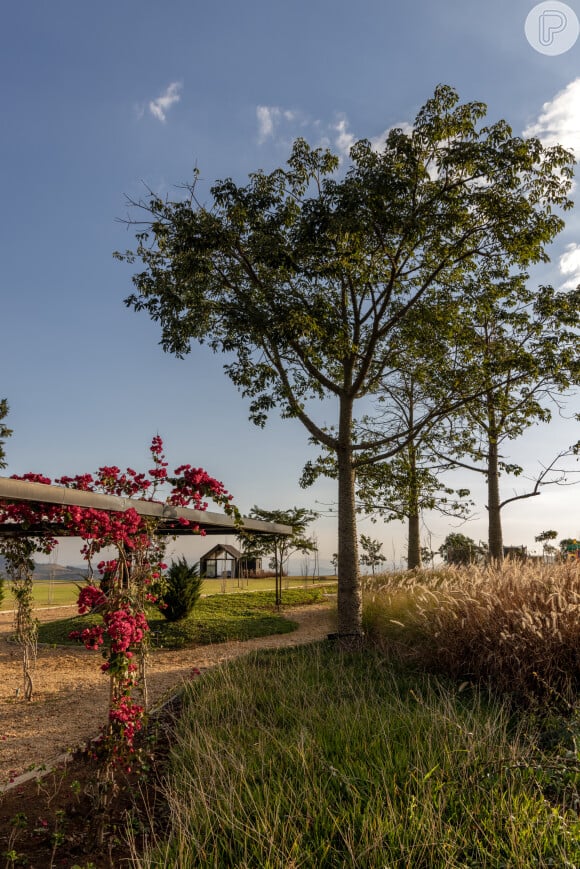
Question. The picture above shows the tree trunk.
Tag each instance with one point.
(414, 540)
(349, 590)
(495, 537)
(413, 543)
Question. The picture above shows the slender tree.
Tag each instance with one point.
(279, 547)
(526, 349)
(544, 538)
(303, 277)
(372, 556)
(4, 431)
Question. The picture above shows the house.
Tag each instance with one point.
(227, 562)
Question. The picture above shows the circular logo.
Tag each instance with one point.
(552, 27)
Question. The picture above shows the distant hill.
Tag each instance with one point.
(56, 572)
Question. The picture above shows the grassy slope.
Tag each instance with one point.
(309, 757)
(215, 619)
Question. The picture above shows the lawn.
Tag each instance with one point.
(46, 594)
(66, 593)
(215, 619)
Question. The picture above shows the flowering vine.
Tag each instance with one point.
(123, 584)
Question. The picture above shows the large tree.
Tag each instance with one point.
(303, 275)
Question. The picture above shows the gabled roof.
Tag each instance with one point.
(223, 547)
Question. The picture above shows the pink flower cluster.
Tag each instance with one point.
(108, 528)
(192, 485)
(127, 716)
(92, 638)
(90, 598)
(125, 628)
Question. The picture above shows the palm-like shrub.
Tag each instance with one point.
(183, 589)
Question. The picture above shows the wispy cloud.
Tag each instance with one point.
(281, 126)
(559, 122)
(270, 119)
(344, 139)
(569, 265)
(163, 103)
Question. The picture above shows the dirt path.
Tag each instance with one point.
(70, 695)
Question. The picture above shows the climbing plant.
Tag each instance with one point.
(120, 588)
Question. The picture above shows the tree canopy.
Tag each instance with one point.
(304, 275)
(460, 549)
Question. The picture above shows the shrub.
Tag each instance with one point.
(183, 589)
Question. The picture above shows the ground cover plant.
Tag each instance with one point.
(315, 757)
(516, 628)
(215, 619)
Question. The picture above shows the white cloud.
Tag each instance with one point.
(344, 140)
(570, 266)
(267, 118)
(378, 142)
(162, 104)
(272, 118)
(559, 122)
(282, 126)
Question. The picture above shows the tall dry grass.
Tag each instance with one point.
(516, 628)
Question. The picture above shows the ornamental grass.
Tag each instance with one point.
(515, 628)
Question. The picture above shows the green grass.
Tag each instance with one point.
(215, 619)
(47, 594)
(311, 757)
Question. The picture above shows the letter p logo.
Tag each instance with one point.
(551, 23)
(552, 27)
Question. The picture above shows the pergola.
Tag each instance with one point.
(168, 516)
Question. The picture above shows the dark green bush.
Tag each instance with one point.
(183, 589)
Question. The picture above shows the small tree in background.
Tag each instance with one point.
(544, 538)
(460, 549)
(372, 555)
(183, 589)
(4, 430)
(279, 546)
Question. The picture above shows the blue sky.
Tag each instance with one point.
(99, 100)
